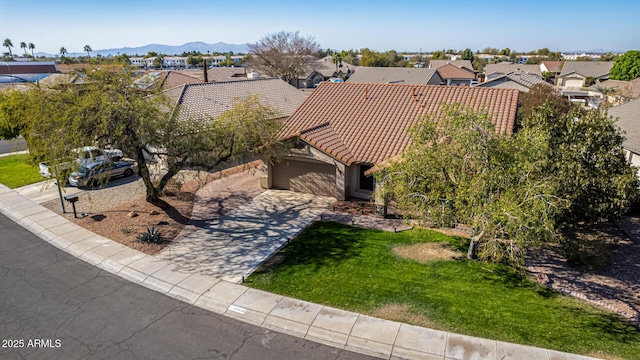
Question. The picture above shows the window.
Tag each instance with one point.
(366, 182)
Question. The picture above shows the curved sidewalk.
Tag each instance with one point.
(323, 324)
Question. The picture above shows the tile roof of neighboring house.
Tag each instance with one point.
(222, 74)
(608, 84)
(505, 68)
(199, 101)
(394, 75)
(453, 72)
(367, 123)
(64, 68)
(595, 69)
(553, 66)
(628, 115)
(520, 77)
(328, 68)
(165, 79)
(435, 64)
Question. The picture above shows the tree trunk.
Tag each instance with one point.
(473, 245)
(473, 248)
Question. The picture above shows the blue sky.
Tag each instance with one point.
(380, 25)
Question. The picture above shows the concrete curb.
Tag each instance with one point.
(322, 324)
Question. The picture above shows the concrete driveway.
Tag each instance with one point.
(233, 245)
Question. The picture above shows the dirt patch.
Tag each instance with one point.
(109, 214)
(426, 252)
(121, 225)
(402, 313)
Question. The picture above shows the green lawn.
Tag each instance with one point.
(15, 171)
(354, 269)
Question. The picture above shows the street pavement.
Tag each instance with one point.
(54, 306)
(10, 146)
(322, 324)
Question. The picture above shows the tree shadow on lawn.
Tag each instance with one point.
(322, 244)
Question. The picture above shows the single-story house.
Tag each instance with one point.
(574, 73)
(396, 75)
(515, 80)
(492, 71)
(462, 64)
(322, 70)
(343, 130)
(453, 75)
(628, 116)
(209, 100)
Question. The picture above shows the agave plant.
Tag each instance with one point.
(151, 236)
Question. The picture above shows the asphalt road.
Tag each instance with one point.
(54, 306)
(8, 146)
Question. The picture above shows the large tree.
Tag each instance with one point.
(459, 170)
(109, 110)
(626, 67)
(23, 46)
(32, 46)
(88, 49)
(284, 54)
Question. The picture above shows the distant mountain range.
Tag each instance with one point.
(164, 49)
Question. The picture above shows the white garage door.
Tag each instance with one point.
(307, 177)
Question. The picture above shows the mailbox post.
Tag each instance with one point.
(72, 198)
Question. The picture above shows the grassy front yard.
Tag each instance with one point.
(356, 269)
(15, 171)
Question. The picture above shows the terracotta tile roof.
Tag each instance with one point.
(367, 123)
(212, 99)
(395, 75)
(628, 115)
(453, 72)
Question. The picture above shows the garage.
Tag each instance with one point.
(305, 176)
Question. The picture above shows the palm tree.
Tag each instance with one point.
(23, 46)
(31, 47)
(8, 44)
(337, 59)
(63, 51)
(88, 49)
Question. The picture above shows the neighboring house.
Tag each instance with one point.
(515, 80)
(175, 62)
(463, 64)
(342, 130)
(323, 70)
(574, 73)
(453, 75)
(219, 59)
(396, 75)
(493, 71)
(202, 101)
(17, 72)
(223, 74)
(628, 116)
(142, 62)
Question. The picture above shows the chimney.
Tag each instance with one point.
(206, 75)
